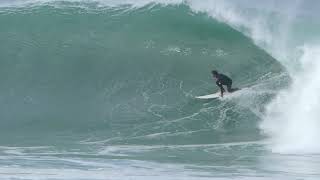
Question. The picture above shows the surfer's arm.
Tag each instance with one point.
(221, 87)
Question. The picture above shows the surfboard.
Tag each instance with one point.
(216, 95)
(209, 96)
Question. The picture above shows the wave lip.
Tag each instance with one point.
(100, 3)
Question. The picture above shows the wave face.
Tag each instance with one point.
(98, 86)
(129, 72)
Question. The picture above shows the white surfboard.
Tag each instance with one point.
(210, 96)
(215, 95)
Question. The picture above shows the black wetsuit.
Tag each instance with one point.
(224, 80)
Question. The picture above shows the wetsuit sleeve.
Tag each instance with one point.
(221, 87)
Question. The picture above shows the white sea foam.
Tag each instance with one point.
(292, 119)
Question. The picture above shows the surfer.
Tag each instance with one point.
(221, 80)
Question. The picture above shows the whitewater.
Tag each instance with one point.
(104, 89)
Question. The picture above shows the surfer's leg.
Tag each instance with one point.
(230, 89)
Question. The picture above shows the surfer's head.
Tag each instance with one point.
(214, 72)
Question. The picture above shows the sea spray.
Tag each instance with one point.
(292, 119)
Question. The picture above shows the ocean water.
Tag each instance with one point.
(104, 89)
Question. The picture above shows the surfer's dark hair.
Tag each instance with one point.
(214, 72)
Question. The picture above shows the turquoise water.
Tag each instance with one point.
(105, 90)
